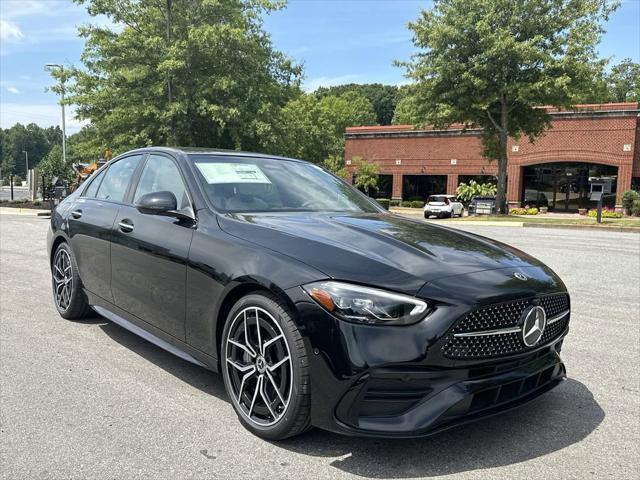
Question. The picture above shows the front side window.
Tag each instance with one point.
(116, 180)
(161, 174)
(246, 184)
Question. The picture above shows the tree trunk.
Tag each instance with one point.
(501, 194)
(172, 134)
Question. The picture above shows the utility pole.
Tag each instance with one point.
(62, 91)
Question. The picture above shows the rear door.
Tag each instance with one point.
(149, 252)
(90, 223)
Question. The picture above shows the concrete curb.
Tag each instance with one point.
(33, 212)
(582, 227)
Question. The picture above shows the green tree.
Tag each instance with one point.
(624, 81)
(366, 176)
(407, 111)
(182, 72)
(492, 62)
(53, 165)
(383, 98)
(18, 139)
(313, 128)
(335, 164)
(87, 146)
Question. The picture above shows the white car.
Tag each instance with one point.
(442, 206)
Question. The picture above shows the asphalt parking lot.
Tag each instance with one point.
(91, 400)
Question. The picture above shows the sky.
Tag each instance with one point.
(337, 41)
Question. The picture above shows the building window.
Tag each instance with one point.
(478, 179)
(385, 185)
(419, 187)
(564, 187)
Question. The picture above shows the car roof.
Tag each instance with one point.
(214, 151)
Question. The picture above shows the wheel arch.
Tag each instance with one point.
(57, 240)
(235, 293)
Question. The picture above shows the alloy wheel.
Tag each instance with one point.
(259, 367)
(62, 279)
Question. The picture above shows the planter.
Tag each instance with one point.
(544, 210)
(582, 211)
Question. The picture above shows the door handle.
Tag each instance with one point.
(76, 213)
(126, 226)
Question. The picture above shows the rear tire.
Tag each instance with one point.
(68, 297)
(265, 367)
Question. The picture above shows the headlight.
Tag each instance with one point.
(357, 304)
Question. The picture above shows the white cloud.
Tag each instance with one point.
(45, 115)
(10, 31)
(314, 83)
(13, 90)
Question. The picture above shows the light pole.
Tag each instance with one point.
(64, 131)
(26, 161)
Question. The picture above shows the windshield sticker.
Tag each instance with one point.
(232, 173)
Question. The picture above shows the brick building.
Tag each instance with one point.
(591, 141)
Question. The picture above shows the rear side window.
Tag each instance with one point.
(92, 189)
(116, 180)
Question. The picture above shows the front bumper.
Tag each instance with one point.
(393, 382)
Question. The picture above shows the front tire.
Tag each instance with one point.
(265, 367)
(68, 297)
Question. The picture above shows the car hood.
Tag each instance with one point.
(377, 249)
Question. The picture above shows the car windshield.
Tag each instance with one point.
(255, 184)
(438, 199)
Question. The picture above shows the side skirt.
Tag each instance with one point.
(151, 334)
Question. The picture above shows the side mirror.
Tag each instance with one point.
(157, 203)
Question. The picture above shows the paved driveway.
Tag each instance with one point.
(90, 400)
(18, 193)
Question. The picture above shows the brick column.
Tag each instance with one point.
(623, 183)
(452, 183)
(514, 185)
(396, 191)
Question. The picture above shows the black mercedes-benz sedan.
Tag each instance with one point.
(318, 307)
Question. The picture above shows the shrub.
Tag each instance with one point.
(17, 180)
(37, 203)
(384, 202)
(412, 203)
(517, 211)
(467, 192)
(606, 213)
(532, 211)
(395, 203)
(628, 199)
(635, 208)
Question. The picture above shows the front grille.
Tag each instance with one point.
(504, 316)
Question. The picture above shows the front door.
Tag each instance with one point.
(149, 252)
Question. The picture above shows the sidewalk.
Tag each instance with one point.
(34, 212)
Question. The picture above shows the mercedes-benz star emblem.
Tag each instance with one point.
(520, 276)
(535, 319)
